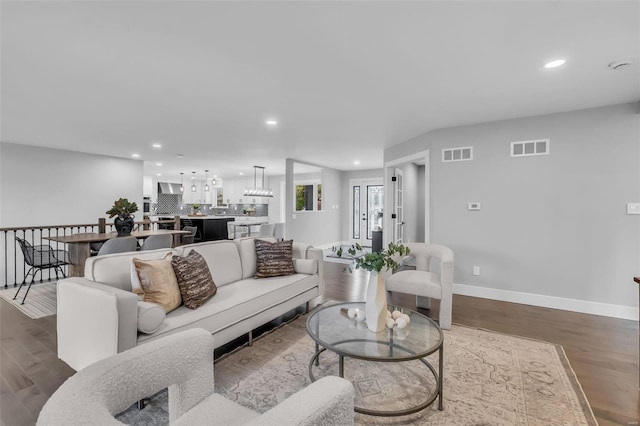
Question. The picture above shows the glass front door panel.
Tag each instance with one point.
(375, 208)
(356, 213)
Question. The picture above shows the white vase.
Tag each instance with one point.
(376, 302)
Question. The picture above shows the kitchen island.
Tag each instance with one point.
(210, 228)
(215, 227)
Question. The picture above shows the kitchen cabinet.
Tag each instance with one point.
(229, 189)
(233, 190)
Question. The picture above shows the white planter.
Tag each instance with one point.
(376, 302)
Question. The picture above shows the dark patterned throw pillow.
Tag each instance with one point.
(194, 279)
(274, 259)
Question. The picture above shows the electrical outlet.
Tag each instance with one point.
(476, 270)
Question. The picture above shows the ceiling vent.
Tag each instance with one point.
(620, 65)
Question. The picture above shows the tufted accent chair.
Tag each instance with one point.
(183, 362)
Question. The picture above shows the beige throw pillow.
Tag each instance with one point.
(194, 279)
(274, 259)
(158, 282)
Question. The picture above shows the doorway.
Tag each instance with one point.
(407, 184)
(366, 208)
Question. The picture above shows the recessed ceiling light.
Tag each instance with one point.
(135, 155)
(271, 123)
(241, 174)
(158, 174)
(158, 164)
(157, 145)
(356, 162)
(555, 63)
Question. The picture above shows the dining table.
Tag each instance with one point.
(78, 245)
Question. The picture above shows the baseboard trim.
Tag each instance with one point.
(574, 305)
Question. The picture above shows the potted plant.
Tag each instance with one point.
(123, 209)
(195, 207)
(376, 298)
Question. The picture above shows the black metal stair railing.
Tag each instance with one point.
(12, 264)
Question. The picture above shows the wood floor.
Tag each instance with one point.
(601, 350)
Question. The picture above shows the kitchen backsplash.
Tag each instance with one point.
(239, 209)
(168, 204)
(171, 204)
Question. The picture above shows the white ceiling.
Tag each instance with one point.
(344, 79)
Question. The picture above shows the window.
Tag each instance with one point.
(308, 197)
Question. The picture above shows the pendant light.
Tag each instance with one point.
(181, 182)
(193, 182)
(206, 183)
(258, 191)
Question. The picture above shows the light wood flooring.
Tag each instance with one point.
(602, 351)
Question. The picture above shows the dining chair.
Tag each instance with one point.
(278, 232)
(118, 245)
(189, 238)
(39, 258)
(157, 242)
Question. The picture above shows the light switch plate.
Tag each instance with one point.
(633, 208)
(474, 205)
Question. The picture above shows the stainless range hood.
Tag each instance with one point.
(169, 188)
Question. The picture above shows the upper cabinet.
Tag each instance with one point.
(233, 192)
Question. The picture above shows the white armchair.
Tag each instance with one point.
(426, 284)
(183, 362)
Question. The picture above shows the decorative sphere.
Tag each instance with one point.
(402, 334)
(401, 323)
(388, 313)
(406, 318)
(390, 323)
(360, 315)
(396, 314)
(351, 313)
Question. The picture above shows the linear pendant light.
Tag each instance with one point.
(258, 191)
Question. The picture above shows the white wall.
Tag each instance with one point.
(43, 186)
(317, 227)
(275, 202)
(554, 226)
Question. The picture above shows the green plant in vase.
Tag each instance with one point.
(123, 210)
(376, 298)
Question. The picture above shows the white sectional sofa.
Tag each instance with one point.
(98, 315)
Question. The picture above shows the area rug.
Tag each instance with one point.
(489, 379)
(40, 302)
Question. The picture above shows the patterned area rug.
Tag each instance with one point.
(490, 379)
(40, 302)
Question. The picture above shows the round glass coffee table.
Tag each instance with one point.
(333, 330)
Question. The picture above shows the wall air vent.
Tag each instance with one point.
(527, 148)
(464, 153)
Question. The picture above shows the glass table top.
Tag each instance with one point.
(331, 328)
